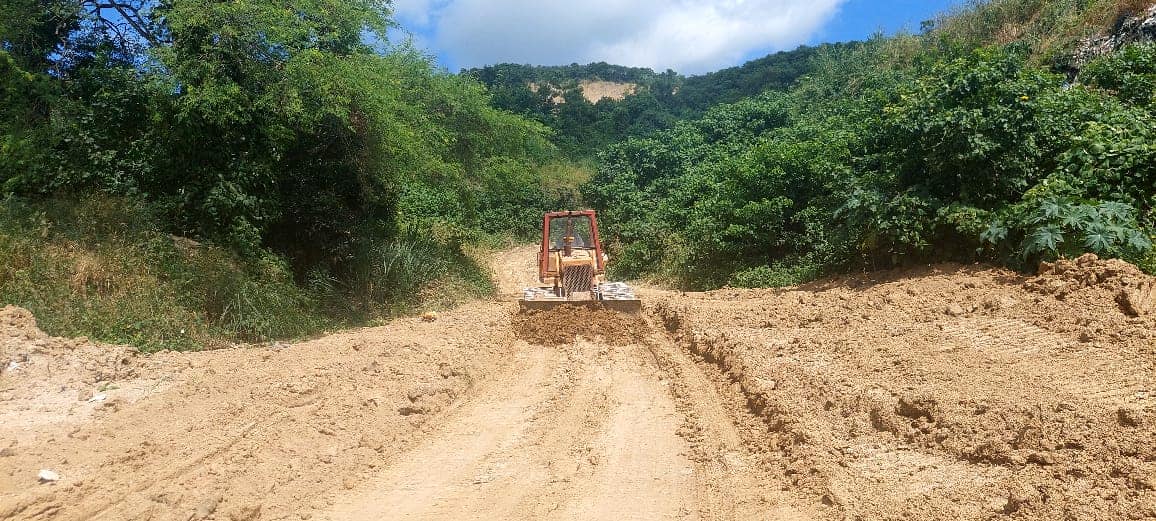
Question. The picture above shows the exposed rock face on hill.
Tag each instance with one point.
(1141, 28)
(593, 90)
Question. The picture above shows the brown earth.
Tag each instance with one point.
(564, 324)
(947, 392)
(593, 90)
(597, 90)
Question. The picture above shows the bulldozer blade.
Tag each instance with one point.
(623, 306)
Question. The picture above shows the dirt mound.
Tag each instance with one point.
(1087, 271)
(960, 393)
(18, 322)
(1138, 301)
(564, 324)
(1111, 279)
(48, 382)
(29, 355)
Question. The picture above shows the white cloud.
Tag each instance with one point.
(685, 35)
(415, 12)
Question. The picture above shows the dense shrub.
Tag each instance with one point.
(298, 148)
(942, 154)
(1130, 73)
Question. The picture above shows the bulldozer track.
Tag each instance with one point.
(1090, 374)
(1006, 336)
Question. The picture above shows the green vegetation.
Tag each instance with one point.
(1052, 29)
(326, 180)
(553, 95)
(192, 173)
(103, 267)
(906, 149)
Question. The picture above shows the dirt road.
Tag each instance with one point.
(945, 393)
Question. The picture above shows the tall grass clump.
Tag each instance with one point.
(437, 266)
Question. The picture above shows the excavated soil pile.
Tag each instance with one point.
(1094, 280)
(564, 324)
(70, 361)
(948, 393)
(44, 379)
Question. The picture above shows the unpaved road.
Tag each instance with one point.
(949, 392)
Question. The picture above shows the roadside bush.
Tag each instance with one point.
(104, 267)
(395, 275)
(778, 275)
(1055, 227)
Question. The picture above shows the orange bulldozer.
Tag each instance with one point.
(572, 267)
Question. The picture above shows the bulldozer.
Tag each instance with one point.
(572, 267)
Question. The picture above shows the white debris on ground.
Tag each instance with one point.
(48, 476)
(98, 398)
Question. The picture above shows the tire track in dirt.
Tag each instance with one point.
(639, 466)
(454, 469)
(233, 434)
(590, 431)
(728, 442)
(1083, 372)
(1005, 336)
(512, 452)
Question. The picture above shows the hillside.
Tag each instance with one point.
(652, 101)
(221, 172)
(903, 279)
(347, 182)
(960, 143)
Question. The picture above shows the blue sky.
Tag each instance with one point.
(859, 19)
(689, 36)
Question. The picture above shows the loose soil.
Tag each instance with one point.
(566, 323)
(946, 392)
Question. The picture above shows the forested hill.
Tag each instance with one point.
(776, 71)
(1013, 131)
(591, 106)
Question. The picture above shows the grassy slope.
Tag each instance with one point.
(102, 268)
(1053, 28)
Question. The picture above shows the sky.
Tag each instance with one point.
(688, 36)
